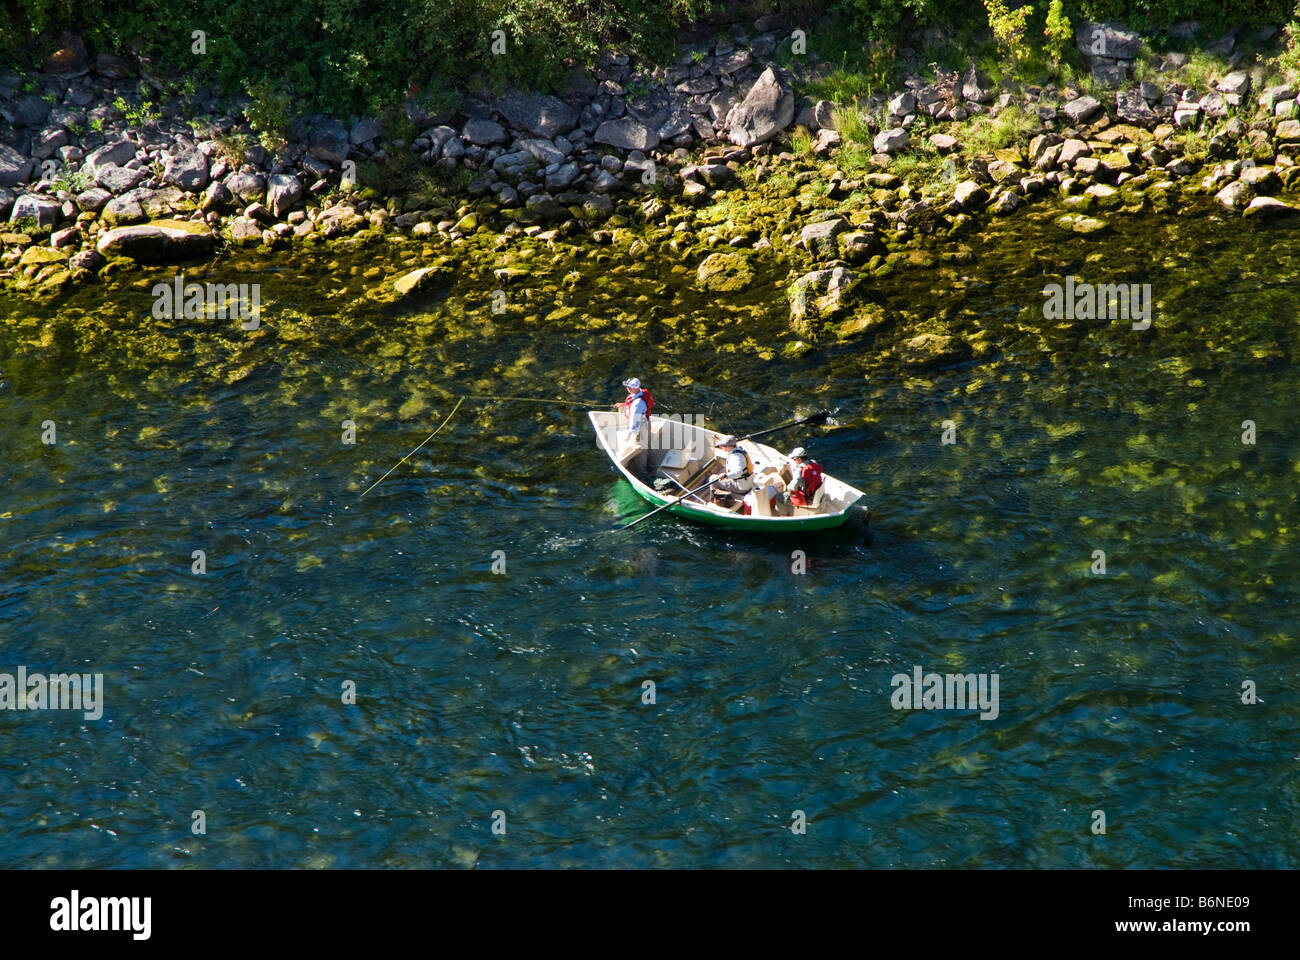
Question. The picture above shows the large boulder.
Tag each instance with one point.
(724, 273)
(1112, 40)
(162, 241)
(283, 193)
(977, 87)
(541, 115)
(14, 167)
(329, 141)
(188, 170)
(46, 211)
(819, 295)
(819, 238)
(117, 179)
(891, 140)
(1082, 109)
(627, 134)
(248, 187)
(1130, 105)
(482, 133)
(767, 109)
(117, 153)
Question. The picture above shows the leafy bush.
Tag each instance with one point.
(1058, 32)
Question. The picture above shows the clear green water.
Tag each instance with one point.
(522, 692)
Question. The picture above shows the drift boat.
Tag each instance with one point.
(680, 456)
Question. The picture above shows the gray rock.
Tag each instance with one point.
(30, 111)
(544, 151)
(46, 211)
(1268, 207)
(248, 187)
(820, 294)
(282, 193)
(819, 238)
(891, 141)
(117, 152)
(1113, 40)
(767, 109)
(977, 87)
(969, 194)
(128, 208)
(329, 141)
(715, 174)
(652, 108)
(1221, 47)
(1130, 105)
(1237, 82)
(117, 179)
(48, 141)
(93, 200)
(562, 177)
(1082, 109)
(364, 130)
(543, 208)
(1213, 104)
(188, 170)
(14, 167)
(482, 133)
(626, 134)
(605, 182)
(1110, 75)
(541, 115)
(902, 104)
(155, 243)
(1235, 195)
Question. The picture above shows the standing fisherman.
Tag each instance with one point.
(636, 409)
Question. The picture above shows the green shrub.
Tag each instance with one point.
(1058, 32)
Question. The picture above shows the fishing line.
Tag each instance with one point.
(408, 456)
(576, 403)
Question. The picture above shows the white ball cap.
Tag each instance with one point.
(634, 383)
(798, 452)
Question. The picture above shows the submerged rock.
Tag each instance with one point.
(415, 281)
(820, 295)
(931, 348)
(724, 272)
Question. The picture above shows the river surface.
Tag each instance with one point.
(522, 691)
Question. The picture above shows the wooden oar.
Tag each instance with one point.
(819, 417)
(665, 506)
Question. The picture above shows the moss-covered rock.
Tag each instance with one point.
(724, 272)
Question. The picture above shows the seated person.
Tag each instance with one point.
(805, 479)
(736, 479)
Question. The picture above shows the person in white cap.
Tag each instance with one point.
(636, 408)
(737, 477)
(805, 478)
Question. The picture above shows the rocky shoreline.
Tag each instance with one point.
(93, 180)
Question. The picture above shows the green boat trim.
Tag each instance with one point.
(688, 448)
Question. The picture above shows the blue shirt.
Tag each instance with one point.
(636, 412)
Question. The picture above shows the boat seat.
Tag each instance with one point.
(818, 503)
